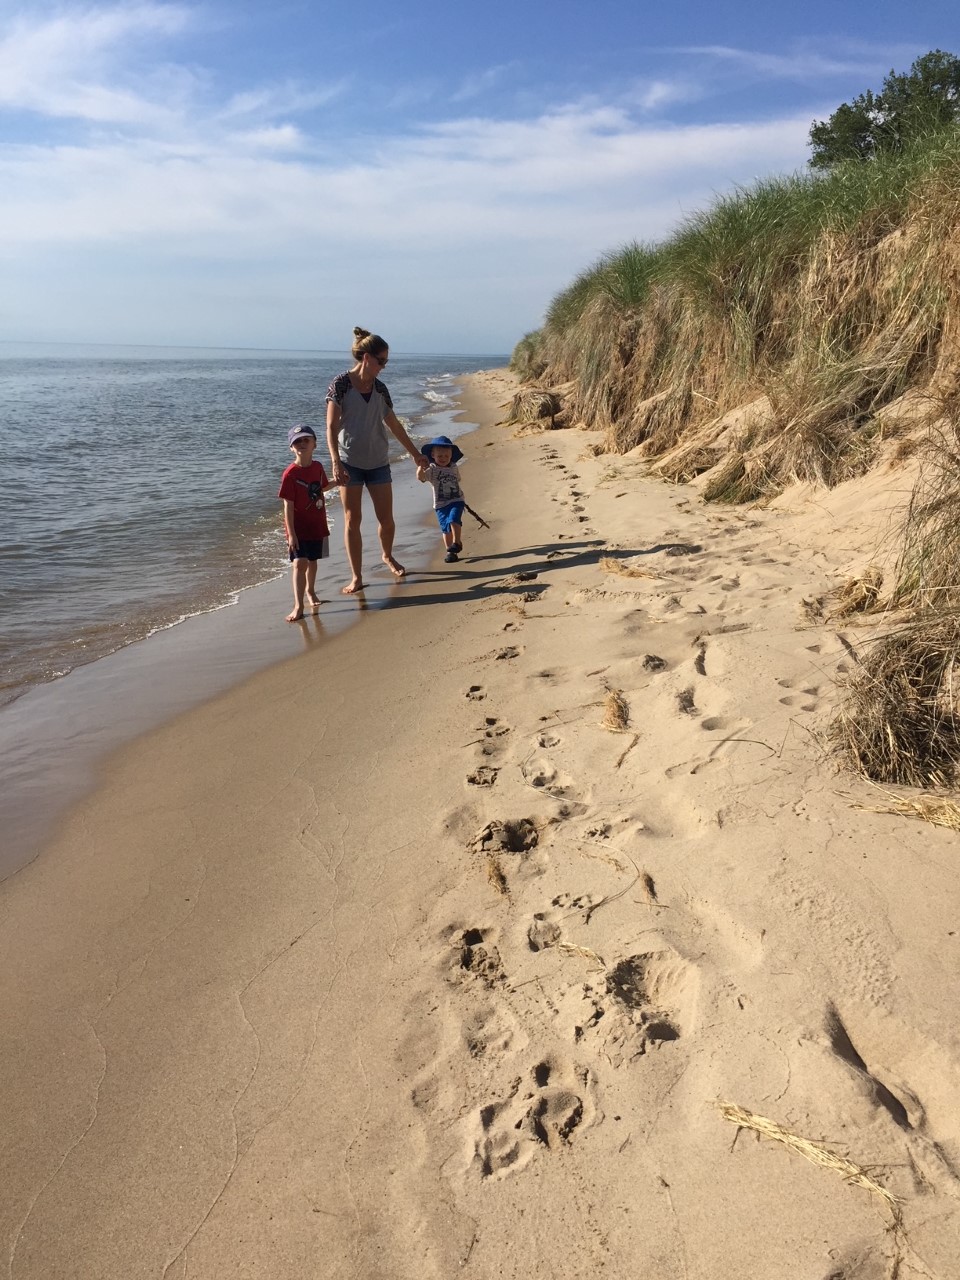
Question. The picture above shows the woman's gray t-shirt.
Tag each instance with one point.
(364, 441)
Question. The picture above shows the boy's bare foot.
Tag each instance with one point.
(353, 587)
(295, 616)
(394, 565)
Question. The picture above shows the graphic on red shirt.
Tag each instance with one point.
(303, 486)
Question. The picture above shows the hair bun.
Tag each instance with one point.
(360, 333)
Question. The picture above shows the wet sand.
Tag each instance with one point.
(55, 737)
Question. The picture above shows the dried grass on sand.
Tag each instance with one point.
(815, 1152)
(609, 565)
(616, 711)
(900, 717)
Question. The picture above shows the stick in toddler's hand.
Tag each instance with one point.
(480, 520)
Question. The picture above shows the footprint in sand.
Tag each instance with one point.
(542, 774)
(495, 728)
(473, 955)
(475, 693)
(685, 702)
(542, 1112)
(544, 932)
(807, 697)
(654, 995)
(484, 776)
(715, 724)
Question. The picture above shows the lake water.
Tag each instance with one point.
(138, 485)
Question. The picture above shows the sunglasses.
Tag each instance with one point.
(381, 360)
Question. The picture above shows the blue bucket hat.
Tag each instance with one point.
(444, 442)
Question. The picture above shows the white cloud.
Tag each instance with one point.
(230, 213)
(57, 65)
(287, 99)
(652, 95)
(802, 64)
(481, 82)
(452, 184)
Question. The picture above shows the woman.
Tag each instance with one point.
(359, 416)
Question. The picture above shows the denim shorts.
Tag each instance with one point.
(367, 475)
(449, 515)
(311, 549)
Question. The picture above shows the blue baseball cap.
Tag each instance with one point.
(299, 431)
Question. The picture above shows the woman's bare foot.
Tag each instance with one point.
(353, 587)
(295, 616)
(313, 601)
(394, 565)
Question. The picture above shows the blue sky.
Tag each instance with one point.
(253, 174)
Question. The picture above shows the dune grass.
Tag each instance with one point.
(827, 294)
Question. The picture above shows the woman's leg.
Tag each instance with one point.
(351, 498)
(382, 495)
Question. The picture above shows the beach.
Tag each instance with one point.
(526, 927)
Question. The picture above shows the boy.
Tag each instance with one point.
(443, 473)
(304, 517)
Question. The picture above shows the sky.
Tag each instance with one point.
(242, 173)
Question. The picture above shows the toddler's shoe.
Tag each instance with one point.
(457, 547)
(451, 557)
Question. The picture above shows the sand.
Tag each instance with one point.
(438, 950)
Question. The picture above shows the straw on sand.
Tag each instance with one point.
(937, 810)
(815, 1152)
(609, 565)
(495, 875)
(616, 711)
(857, 595)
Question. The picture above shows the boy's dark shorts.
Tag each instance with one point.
(311, 549)
(449, 515)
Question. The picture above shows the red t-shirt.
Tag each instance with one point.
(303, 486)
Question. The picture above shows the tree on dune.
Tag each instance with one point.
(911, 105)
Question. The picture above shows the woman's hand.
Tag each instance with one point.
(340, 476)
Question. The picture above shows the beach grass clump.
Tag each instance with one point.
(525, 361)
(927, 575)
(899, 719)
(534, 405)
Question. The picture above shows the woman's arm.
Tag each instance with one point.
(334, 423)
(394, 424)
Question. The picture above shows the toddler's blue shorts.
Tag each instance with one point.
(311, 549)
(450, 514)
(367, 475)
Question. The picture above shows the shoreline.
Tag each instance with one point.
(56, 735)
(435, 958)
